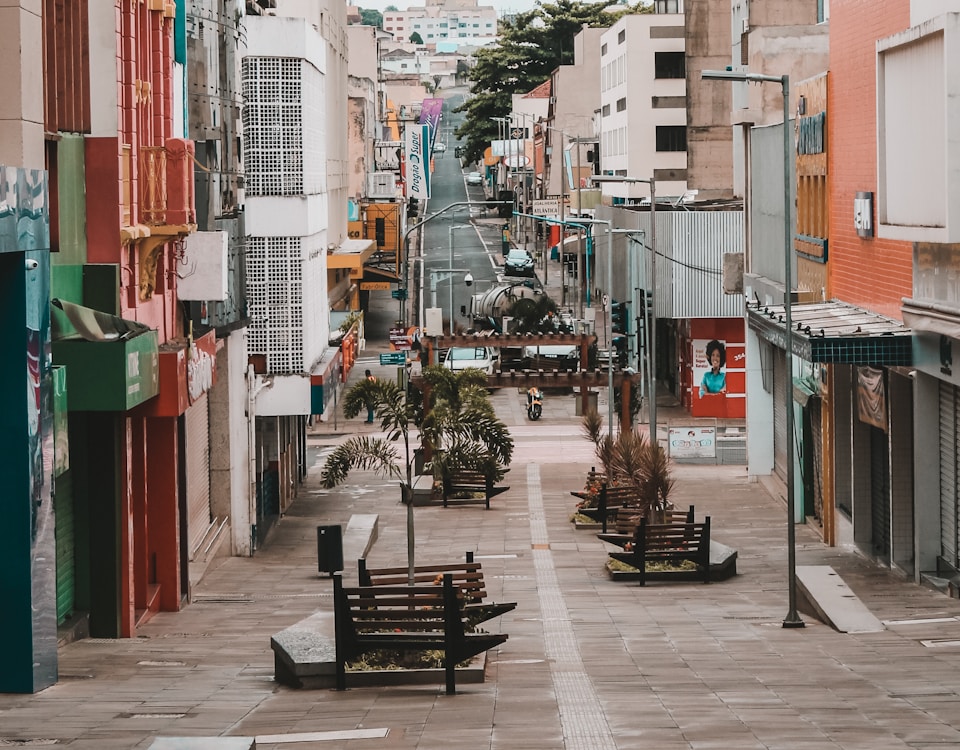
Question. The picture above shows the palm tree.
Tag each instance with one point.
(461, 429)
(461, 426)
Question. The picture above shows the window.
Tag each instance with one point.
(603, 49)
(621, 104)
(622, 36)
(671, 138)
(605, 112)
(669, 65)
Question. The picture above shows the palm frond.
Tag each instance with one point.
(591, 423)
(484, 429)
(362, 453)
(630, 457)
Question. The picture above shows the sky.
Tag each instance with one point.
(502, 6)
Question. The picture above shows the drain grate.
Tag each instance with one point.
(27, 743)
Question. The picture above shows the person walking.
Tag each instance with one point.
(372, 379)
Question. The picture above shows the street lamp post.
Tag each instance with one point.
(406, 247)
(452, 228)
(792, 620)
(649, 316)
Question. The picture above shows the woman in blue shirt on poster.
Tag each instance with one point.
(715, 379)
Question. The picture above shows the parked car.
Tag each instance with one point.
(439, 146)
(481, 357)
(518, 263)
(551, 357)
(474, 178)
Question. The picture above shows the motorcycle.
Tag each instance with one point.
(534, 406)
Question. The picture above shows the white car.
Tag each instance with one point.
(481, 357)
(474, 178)
(439, 146)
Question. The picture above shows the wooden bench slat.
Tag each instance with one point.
(468, 576)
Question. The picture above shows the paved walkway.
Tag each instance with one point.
(590, 663)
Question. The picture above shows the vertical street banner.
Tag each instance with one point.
(417, 177)
(430, 113)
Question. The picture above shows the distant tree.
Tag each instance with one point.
(371, 17)
(530, 48)
(416, 38)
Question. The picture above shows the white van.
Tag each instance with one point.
(481, 357)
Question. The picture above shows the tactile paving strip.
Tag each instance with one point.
(584, 725)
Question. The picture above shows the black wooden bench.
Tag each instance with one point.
(467, 482)
(594, 479)
(669, 543)
(468, 575)
(405, 618)
(627, 520)
(609, 502)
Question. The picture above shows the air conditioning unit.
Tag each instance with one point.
(382, 185)
(744, 25)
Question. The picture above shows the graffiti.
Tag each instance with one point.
(201, 369)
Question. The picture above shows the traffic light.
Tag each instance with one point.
(618, 317)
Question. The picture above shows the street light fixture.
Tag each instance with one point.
(792, 620)
(651, 316)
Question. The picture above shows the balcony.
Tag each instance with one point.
(166, 204)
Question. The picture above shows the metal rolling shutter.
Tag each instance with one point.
(780, 413)
(880, 493)
(949, 461)
(816, 437)
(66, 566)
(197, 429)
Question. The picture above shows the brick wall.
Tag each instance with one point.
(871, 273)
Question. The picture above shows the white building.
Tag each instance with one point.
(460, 22)
(295, 148)
(643, 116)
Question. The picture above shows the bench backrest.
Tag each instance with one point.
(392, 609)
(628, 518)
(667, 537)
(468, 576)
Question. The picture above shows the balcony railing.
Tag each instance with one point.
(166, 184)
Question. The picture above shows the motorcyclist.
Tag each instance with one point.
(533, 394)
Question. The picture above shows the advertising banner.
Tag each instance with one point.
(430, 112)
(417, 184)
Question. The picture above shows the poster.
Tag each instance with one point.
(709, 367)
(693, 442)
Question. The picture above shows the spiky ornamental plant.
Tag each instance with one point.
(632, 458)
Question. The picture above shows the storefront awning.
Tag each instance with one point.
(835, 333)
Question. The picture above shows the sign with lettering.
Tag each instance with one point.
(417, 183)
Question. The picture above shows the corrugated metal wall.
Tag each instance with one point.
(691, 246)
(690, 250)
